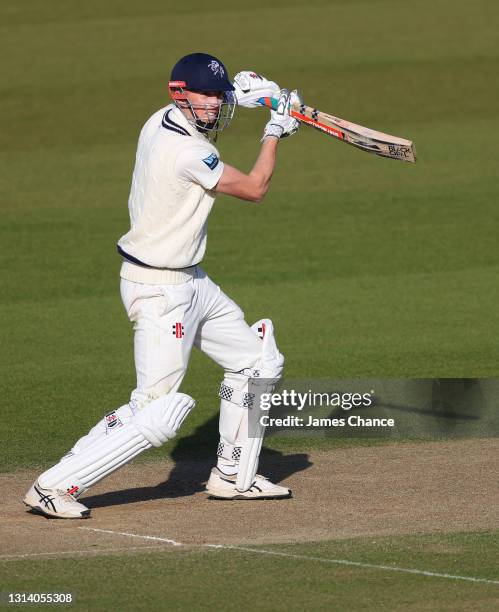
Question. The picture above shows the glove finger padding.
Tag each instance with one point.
(281, 123)
(293, 98)
(250, 87)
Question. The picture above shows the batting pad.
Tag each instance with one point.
(156, 423)
(270, 370)
(236, 447)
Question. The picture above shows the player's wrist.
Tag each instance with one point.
(272, 140)
(272, 130)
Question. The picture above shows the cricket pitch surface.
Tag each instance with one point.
(402, 488)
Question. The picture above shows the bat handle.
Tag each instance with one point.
(269, 102)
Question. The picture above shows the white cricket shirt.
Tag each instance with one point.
(176, 168)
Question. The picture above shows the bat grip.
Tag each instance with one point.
(269, 102)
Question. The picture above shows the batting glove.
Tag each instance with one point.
(250, 87)
(281, 123)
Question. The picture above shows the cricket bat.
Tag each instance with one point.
(356, 135)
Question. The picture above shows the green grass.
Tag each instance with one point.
(367, 267)
(221, 579)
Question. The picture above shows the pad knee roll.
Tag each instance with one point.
(160, 420)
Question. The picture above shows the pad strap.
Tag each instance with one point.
(229, 451)
(241, 398)
(251, 372)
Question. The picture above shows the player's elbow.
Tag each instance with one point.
(254, 198)
(257, 187)
(259, 194)
(257, 198)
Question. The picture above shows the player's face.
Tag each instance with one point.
(206, 104)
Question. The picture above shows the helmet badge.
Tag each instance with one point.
(216, 68)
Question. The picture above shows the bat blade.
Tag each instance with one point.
(356, 135)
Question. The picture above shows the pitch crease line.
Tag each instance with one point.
(405, 570)
(133, 535)
(390, 568)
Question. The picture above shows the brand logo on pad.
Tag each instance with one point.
(178, 330)
(73, 489)
(112, 420)
(211, 161)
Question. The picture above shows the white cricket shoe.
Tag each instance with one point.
(55, 503)
(221, 486)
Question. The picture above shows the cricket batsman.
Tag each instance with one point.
(170, 299)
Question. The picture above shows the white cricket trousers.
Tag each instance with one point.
(170, 319)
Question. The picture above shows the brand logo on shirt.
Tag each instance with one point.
(211, 161)
(178, 330)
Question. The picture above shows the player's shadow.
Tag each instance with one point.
(193, 457)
